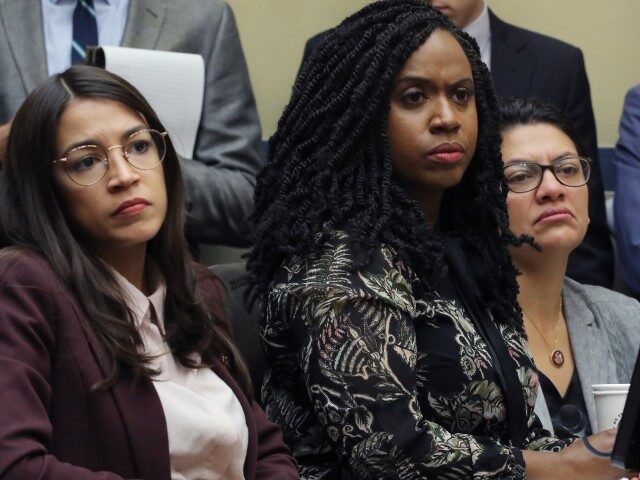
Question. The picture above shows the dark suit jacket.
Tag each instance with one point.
(53, 427)
(525, 63)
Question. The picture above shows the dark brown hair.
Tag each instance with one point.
(32, 216)
(517, 111)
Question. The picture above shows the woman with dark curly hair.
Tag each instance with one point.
(395, 343)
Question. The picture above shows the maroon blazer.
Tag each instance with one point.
(53, 427)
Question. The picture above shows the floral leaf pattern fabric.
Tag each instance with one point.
(373, 376)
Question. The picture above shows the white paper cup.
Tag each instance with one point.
(609, 400)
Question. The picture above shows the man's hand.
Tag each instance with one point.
(4, 137)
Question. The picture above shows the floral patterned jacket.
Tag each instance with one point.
(373, 377)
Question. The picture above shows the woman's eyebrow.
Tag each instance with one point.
(513, 161)
(416, 79)
(133, 130)
(81, 143)
(564, 155)
(93, 141)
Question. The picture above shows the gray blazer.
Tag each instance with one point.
(604, 330)
(221, 177)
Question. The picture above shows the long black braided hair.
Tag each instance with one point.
(330, 163)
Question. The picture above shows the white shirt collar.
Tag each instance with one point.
(138, 302)
(480, 29)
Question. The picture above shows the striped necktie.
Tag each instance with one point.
(85, 30)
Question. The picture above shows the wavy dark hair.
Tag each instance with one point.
(532, 111)
(33, 217)
(330, 163)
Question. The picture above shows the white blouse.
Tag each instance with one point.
(205, 422)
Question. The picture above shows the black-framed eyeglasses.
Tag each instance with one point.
(88, 164)
(571, 171)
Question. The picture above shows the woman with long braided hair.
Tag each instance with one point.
(395, 344)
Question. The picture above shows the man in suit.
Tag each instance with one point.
(525, 63)
(220, 177)
(627, 201)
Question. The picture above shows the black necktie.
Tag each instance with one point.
(85, 30)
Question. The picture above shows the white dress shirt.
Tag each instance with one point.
(480, 29)
(206, 425)
(57, 15)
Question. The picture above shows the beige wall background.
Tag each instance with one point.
(274, 32)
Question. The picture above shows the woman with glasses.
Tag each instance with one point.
(116, 360)
(579, 335)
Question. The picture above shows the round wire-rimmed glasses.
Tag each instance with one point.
(571, 171)
(87, 164)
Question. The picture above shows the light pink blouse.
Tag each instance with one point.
(205, 422)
